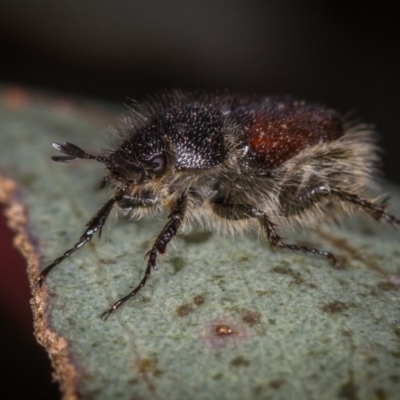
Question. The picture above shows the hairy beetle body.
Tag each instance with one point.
(233, 162)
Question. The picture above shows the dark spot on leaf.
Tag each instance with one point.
(240, 361)
(286, 270)
(177, 262)
(349, 390)
(282, 269)
(395, 354)
(262, 292)
(394, 378)
(107, 261)
(219, 279)
(148, 366)
(297, 278)
(197, 237)
(251, 317)
(199, 300)
(371, 360)
(381, 394)
(218, 376)
(243, 257)
(276, 383)
(396, 331)
(385, 286)
(272, 321)
(258, 390)
(146, 244)
(373, 292)
(27, 179)
(368, 231)
(335, 307)
(342, 282)
(346, 333)
(184, 310)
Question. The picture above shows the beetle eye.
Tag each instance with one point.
(158, 164)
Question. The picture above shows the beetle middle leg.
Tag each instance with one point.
(239, 211)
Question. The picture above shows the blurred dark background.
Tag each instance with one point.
(342, 54)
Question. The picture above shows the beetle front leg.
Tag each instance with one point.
(169, 231)
(94, 225)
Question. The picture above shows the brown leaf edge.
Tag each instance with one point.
(65, 372)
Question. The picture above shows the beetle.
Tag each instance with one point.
(232, 162)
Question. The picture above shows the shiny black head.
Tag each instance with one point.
(136, 161)
(139, 159)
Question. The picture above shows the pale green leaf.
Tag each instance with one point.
(222, 317)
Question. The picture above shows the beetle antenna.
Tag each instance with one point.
(73, 153)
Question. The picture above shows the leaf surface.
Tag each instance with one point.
(222, 317)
